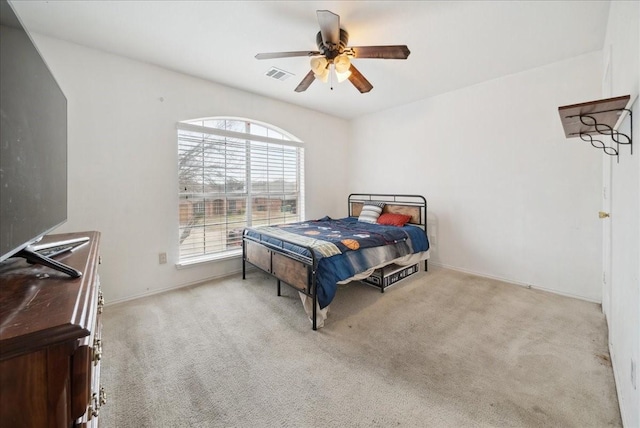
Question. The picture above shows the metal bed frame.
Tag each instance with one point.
(299, 271)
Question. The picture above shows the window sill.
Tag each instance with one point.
(198, 261)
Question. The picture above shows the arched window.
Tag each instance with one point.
(234, 173)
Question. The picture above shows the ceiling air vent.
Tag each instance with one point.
(278, 74)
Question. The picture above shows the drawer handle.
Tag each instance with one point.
(100, 301)
(103, 396)
(97, 351)
(97, 401)
(94, 408)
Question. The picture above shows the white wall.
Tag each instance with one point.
(623, 310)
(123, 159)
(509, 196)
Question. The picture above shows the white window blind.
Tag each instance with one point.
(234, 174)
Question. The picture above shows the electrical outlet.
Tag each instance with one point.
(633, 373)
(162, 258)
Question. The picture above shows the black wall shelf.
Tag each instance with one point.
(601, 117)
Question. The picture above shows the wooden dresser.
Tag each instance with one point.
(50, 346)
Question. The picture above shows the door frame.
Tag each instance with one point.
(607, 289)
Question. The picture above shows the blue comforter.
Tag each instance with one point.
(343, 247)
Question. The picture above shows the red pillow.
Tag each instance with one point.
(392, 219)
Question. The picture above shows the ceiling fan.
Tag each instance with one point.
(333, 54)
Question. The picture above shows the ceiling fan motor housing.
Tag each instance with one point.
(331, 50)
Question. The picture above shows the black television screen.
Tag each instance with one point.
(33, 140)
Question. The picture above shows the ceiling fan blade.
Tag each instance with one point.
(273, 55)
(384, 52)
(306, 82)
(329, 28)
(359, 80)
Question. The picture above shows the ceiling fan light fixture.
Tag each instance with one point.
(342, 63)
(324, 76)
(342, 76)
(319, 65)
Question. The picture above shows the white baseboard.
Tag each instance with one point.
(512, 281)
(175, 287)
(430, 263)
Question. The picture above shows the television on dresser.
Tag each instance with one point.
(33, 146)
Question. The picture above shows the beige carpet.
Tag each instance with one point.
(440, 349)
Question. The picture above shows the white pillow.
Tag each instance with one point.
(370, 212)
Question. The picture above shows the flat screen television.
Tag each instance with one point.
(33, 145)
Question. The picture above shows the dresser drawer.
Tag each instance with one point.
(87, 394)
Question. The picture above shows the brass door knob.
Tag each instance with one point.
(603, 214)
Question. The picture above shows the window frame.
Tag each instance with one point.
(249, 195)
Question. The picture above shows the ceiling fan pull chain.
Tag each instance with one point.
(331, 75)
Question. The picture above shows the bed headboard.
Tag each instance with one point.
(413, 205)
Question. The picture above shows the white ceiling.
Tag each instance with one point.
(453, 44)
